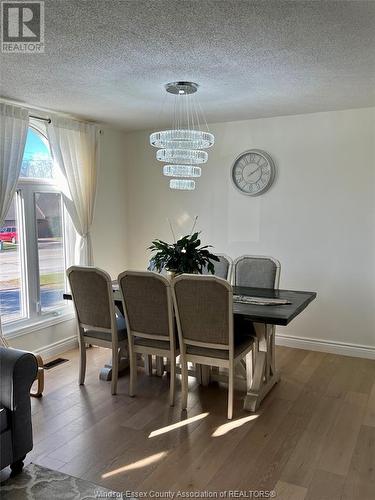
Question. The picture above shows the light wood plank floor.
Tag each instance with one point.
(313, 438)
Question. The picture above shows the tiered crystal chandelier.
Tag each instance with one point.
(181, 147)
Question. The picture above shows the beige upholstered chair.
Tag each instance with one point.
(260, 272)
(97, 321)
(256, 271)
(223, 268)
(208, 333)
(150, 320)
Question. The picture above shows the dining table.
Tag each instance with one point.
(266, 309)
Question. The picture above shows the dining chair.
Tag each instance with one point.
(223, 268)
(208, 333)
(256, 271)
(148, 307)
(148, 359)
(98, 323)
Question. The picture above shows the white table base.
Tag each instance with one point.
(256, 374)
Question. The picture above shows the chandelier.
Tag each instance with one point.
(181, 147)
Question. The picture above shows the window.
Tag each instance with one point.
(11, 284)
(32, 242)
(51, 256)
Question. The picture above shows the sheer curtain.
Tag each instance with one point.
(74, 146)
(14, 122)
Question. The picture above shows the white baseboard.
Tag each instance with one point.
(342, 348)
(59, 347)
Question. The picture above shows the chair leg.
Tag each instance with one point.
(82, 364)
(115, 356)
(148, 364)
(133, 372)
(184, 383)
(172, 382)
(230, 391)
(206, 372)
(160, 366)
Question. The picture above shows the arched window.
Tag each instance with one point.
(32, 241)
(37, 161)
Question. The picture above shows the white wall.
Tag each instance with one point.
(109, 225)
(318, 219)
(49, 340)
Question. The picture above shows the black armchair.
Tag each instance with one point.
(18, 370)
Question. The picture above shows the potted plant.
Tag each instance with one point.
(183, 256)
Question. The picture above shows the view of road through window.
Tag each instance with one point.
(51, 269)
(32, 261)
(11, 289)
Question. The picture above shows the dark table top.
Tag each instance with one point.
(271, 314)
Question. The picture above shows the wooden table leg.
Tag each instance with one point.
(264, 373)
(198, 373)
(206, 371)
(148, 364)
(106, 372)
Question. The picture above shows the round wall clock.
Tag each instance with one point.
(253, 172)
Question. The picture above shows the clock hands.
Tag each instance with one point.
(253, 172)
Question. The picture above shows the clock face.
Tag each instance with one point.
(253, 172)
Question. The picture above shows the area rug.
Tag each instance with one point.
(38, 483)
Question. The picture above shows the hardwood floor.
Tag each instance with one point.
(313, 438)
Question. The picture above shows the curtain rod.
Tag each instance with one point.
(48, 120)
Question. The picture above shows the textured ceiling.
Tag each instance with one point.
(108, 60)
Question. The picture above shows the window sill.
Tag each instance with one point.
(17, 329)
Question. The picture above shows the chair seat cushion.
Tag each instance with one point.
(121, 329)
(154, 343)
(241, 343)
(4, 419)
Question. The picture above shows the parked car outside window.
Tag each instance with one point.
(9, 234)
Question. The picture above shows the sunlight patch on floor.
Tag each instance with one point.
(229, 426)
(177, 425)
(137, 465)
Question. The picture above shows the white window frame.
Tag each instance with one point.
(33, 316)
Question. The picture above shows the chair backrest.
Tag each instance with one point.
(223, 268)
(92, 297)
(204, 310)
(148, 304)
(256, 271)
